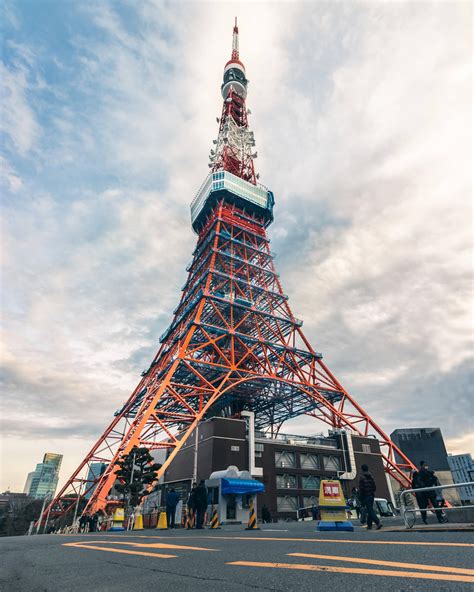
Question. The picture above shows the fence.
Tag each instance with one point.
(409, 513)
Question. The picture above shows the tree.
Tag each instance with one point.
(136, 471)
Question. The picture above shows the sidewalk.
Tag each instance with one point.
(446, 527)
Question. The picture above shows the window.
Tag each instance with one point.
(310, 482)
(310, 500)
(332, 463)
(309, 461)
(235, 448)
(366, 448)
(284, 459)
(286, 481)
(258, 450)
(287, 503)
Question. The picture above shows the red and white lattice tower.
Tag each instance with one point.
(234, 343)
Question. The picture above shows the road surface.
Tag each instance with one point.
(281, 557)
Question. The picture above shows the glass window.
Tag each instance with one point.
(332, 463)
(286, 481)
(258, 450)
(309, 461)
(310, 482)
(310, 500)
(285, 459)
(366, 448)
(287, 503)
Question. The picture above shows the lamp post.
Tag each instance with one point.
(46, 497)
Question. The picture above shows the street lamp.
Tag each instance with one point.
(49, 495)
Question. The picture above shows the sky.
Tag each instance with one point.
(362, 118)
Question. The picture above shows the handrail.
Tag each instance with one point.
(404, 510)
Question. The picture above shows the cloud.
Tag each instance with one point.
(359, 113)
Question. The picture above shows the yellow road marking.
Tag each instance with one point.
(125, 551)
(356, 570)
(152, 545)
(249, 538)
(458, 570)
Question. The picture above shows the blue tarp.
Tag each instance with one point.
(241, 486)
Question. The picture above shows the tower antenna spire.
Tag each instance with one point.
(235, 42)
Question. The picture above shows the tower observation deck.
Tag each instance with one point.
(233, 344)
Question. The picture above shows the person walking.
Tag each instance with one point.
(426, 478)
(367, 489)
(200, 496)
(355, 501)
(172, 499)
(191, 504)
(266, 516)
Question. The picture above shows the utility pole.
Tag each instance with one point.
(49, 495)
(196, 446)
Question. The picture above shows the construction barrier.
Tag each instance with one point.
(252, 525)
(214, 519)
(162, 522)
(118, 519)
(190, 519)
(332, 505)
(138, 523)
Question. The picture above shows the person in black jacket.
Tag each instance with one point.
(200, 500)
(426, 478)
(367, 489)
(172, 499)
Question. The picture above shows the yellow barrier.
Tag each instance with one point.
(252, 525)
(214, 519)
(162, 522)
(138, 524)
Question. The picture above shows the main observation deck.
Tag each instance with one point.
(224, 185)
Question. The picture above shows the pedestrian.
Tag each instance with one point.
(367, 489)
(427, 478)
(266, 516)
(355, 501)
(191, 503)
(200, 497)
(172, 499)
(94, 522)
(314, 512)
(82, 523)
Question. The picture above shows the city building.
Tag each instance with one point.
(95, 471)
(44, 479)
(290, 466)
(28, 481)
(462, 469)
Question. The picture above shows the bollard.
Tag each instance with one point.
(162, 522)
(252, 525)
(214, 519)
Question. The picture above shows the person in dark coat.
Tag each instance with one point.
(266, 516)
(172, 499)
(367, 489)
(200, 498)
(191, 503)
(82, 523)
(426, 478)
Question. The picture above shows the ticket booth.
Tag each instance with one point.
(231, 491)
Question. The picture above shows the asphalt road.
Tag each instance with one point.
(281, 557)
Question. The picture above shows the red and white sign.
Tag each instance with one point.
(331, 489)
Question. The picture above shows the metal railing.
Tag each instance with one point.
(409, 514)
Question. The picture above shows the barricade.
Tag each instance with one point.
(190, 519)
(252, 525)
(118, 519)
(214, 519)
(332, 505)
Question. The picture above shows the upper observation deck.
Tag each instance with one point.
(224, 185)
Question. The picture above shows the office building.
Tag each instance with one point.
(462, 469)
(44, 479)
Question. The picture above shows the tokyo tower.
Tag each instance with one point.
(234, 344)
